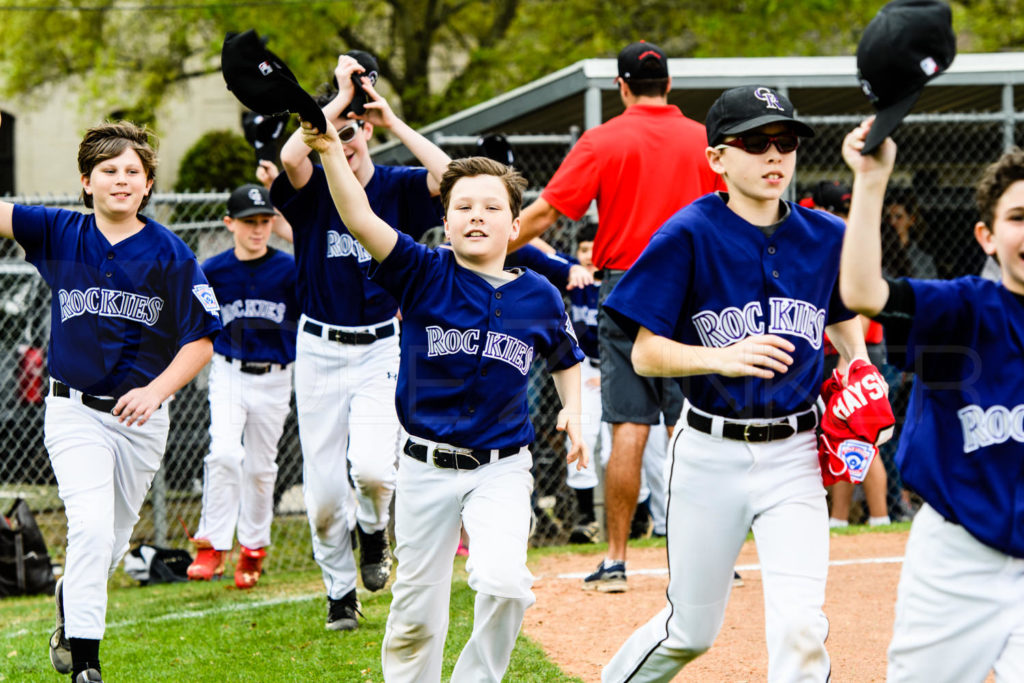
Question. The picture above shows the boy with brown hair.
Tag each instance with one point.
(471, 331)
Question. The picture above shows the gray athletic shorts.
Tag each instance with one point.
(625, 395)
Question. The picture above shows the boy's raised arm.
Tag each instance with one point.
(861, 284)
(374, 234)
(379, 113)
(6, 214)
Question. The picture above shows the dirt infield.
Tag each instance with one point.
(859, 603)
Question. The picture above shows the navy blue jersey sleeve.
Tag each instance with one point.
(943, 327)
(33, 229)
(553, 267)
(837, 310)
(565, 349)
(652, 292)
(302, 215)
(195, 305)
(405, 273)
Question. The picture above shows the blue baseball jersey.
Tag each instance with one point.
(120, 312)
(332, 284)
(962, 447)
(710, 278)
(467, 347)
(257, 306)
(583, 302)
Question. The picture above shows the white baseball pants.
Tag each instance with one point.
(959, 608)
(598, 437)
(493, 503)
(718, 489)
(345, 399)
(247, 414)
(104, 470)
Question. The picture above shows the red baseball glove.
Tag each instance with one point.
(857, 419)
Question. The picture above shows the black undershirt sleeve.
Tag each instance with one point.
(897, 317)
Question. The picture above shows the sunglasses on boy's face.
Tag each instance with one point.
(758, 143)
(348, 133)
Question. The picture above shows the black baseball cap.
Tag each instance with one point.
(833, 196)
(370, 70)
(250, 200)
(747, 107)
(642, 60)
(496, 146)
(908, 43)
(263, 82)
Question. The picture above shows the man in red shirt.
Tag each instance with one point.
(641, 166)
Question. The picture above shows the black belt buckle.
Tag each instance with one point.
(256, 368)
(449, 458)
(757, 433)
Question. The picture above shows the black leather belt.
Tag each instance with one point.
(345, 337)
(251, 368)
(754, 431)
(104, 405)
(594, 362)
(448, 458)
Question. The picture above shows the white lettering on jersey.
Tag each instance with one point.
(253, 308)
(584, 314)
(789, 317)
(340, 245)
(992, 426)
(503, 347)
(442, 342)
(109, 303)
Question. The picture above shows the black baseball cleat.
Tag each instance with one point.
(341, 613)
(89, 676)
(374, 558)
(60, 648)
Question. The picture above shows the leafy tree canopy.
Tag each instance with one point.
(437, 56)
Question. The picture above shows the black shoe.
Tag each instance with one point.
(60, 648)
(341, 613)
(374, 559)
(737, 580)
(585, 533)
(642, 523)
(89, 676)
(607, 579)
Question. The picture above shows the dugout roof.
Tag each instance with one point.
(584, 94)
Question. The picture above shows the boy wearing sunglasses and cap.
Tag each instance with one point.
(346, 363)
(732, 295)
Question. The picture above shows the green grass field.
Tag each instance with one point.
(214, 632)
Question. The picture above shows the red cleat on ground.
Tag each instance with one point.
(249, 567)
(209, 563)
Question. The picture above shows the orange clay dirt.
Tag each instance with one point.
(581, 630)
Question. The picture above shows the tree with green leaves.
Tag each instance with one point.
(436, 56)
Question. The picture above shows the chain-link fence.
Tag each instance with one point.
(928, 224)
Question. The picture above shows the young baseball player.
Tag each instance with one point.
(250, 386)
(959, 610)
(347, 350)
(732, 295)
(131, 322)
(472, 330)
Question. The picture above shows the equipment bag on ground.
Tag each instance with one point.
(25, 567)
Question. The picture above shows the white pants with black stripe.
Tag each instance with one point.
(718, 490)
(345, 403)
(492, 502)
(103, 470)
(247, 414)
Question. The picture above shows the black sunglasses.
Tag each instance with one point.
(758, 143)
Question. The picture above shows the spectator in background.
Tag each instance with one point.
(902, 254)
(641, 167)
(834, 197)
